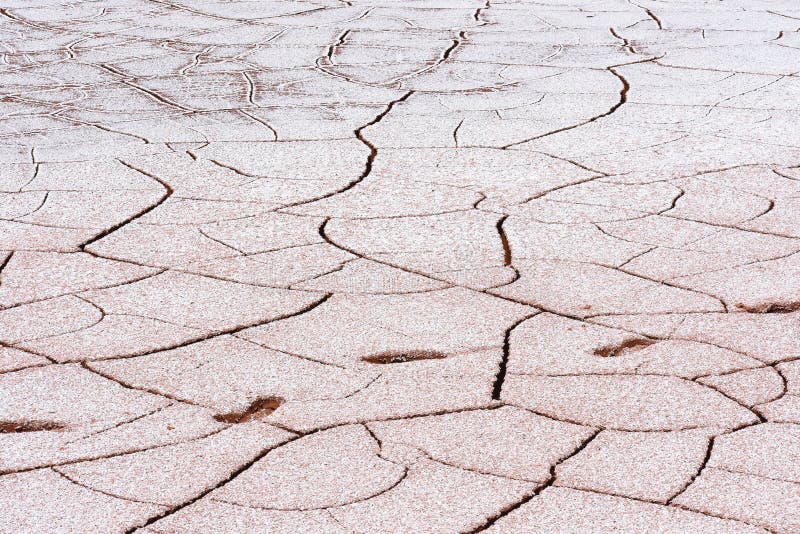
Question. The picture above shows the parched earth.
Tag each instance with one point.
(400, 266)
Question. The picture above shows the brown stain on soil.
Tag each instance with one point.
(404, 356)
(13, 427)
(629, 345)
(259, 409)
(771, 307)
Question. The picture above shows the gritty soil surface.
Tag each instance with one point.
(443, 266)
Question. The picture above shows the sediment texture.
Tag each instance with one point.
(381, 266)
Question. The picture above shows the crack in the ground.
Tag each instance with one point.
(623, 98)
(232, 476)
(232, 81)
(549, 483)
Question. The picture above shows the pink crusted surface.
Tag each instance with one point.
(442, 266)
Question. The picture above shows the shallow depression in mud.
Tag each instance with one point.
(259, 409)
(404, 356)
(629, 345)
(13, 427)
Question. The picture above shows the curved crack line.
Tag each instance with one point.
(661, 504)
(497, 387)
(387, 489)
(108, 376)
(235, 473)
(623, 429)
(537, 307)
(106, 493)
(623, 98)
(209, 336)
(489, 405)
(705, 460)
(636, 373)
(261, 122)
(430, 456)
(504, 241)
(625, 43)
(547, 484)
(121, 423)
(784, 386)
(292, 354)
(167, 193)
(127, 452)
(76, 292)
(373, 153)
(649, 14)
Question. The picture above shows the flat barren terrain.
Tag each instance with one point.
(399, 266)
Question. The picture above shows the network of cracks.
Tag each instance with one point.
(379, 266)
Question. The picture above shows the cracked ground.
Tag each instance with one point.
(443, 266)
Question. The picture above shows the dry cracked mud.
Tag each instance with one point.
(444, 266)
